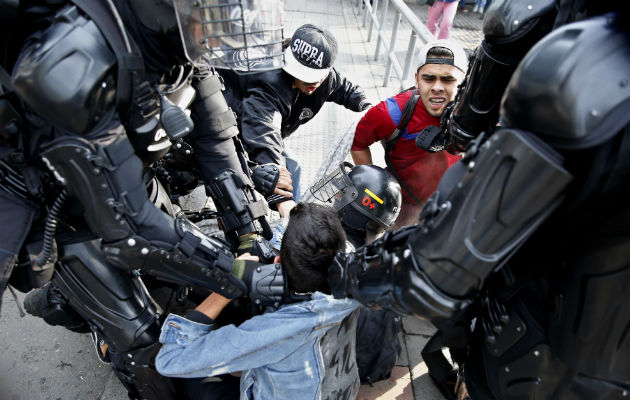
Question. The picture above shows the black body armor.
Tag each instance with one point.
(94, 97)
(529, 235)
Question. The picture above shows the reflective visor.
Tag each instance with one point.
(335, 189)
(242, 35)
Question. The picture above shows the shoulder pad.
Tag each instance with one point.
(68, 76)
(506, 18)
(572, 87)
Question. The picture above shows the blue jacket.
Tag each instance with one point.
(303, 350)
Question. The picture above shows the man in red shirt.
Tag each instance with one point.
(441, 66)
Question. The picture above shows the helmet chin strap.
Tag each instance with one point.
(354, 235)
(158, 16)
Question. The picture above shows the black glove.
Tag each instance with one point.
(266, 283)
(265, 178)
(364, 105)
(435, 138)
(337, 279)
(257, 245)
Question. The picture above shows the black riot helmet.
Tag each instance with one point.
(366, 197)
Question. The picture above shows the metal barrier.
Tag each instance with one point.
(378, 21)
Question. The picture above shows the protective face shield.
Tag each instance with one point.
(366, 197)
(242, 35)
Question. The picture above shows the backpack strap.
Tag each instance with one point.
(407, 112)
(389, 144)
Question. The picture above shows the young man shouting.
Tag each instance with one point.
(441, 67)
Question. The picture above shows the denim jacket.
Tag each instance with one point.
(303, 350)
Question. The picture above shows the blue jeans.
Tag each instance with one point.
(278, 234)
(295, 170)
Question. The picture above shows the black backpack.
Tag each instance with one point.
(378, 344)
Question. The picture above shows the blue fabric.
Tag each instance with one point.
(296, 172)
(278, 234)
(279, 351)
(396, 114)
(394, 111)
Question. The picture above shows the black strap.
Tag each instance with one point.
(407, 112)
(389, 144)
(5, 80)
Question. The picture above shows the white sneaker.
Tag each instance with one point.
(476, 9)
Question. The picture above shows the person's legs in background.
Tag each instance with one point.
(433, 16)
(448, 15)
(488, 2)
(480, 5)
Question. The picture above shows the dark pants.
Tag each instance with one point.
(223, 387)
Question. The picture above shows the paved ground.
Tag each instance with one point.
(38, 361)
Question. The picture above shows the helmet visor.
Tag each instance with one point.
(335, 189)
(243, 35)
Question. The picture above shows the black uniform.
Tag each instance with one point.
(269, 109)
(96, 94)
(522, 254)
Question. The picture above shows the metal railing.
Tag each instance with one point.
(378, 22)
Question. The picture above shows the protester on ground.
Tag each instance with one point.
(447, 10)
(303, 350)
(441, 66)
(367, 199)
(271, 105)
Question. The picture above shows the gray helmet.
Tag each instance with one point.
(366, 197)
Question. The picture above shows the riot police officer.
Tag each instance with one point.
(521, 255)
(95, 92)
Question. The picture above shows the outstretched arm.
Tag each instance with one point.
(347, 94)
(475, 221)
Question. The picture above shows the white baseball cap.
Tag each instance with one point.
(311, 54)
(459, 60)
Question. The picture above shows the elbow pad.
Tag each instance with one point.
(213, 116)
(196, 259)
(105, 176)
(485, 208)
